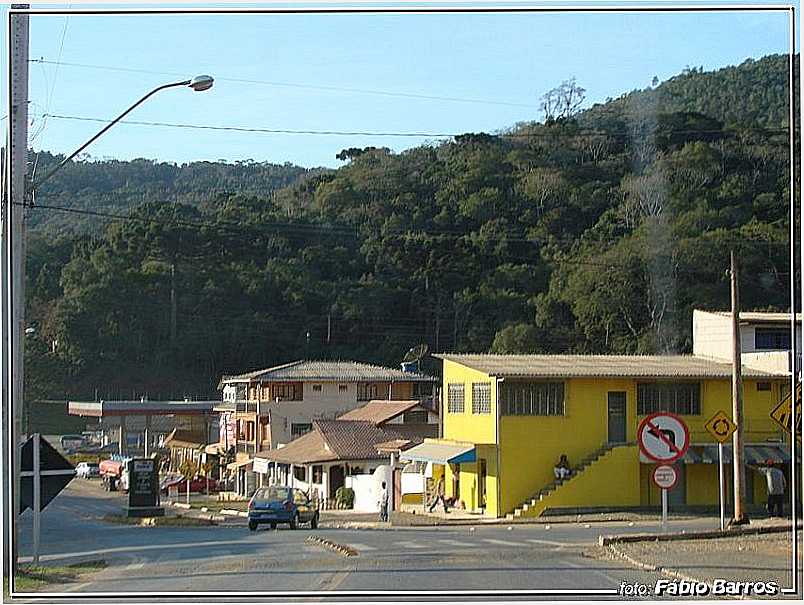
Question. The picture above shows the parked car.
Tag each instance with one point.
(197, 485)
(87, 470)
(278, 504)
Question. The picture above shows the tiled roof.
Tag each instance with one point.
(346, 440)
(379, 411)
(327, 371)
(621, 366)
(182, 438)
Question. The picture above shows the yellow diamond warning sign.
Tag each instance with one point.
(783, 413)
(720, 426)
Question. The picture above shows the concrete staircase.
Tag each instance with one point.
(540, 501)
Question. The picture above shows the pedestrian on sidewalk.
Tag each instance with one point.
(776, 486)
(439, 496)
(383, 503)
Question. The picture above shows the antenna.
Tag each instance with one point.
(410, 362)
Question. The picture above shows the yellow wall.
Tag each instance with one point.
(531, 445)
(614, 482)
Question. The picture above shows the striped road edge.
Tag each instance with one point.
(346, 551)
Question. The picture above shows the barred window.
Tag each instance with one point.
(481, 398)
(455, 398)
(676, 397)
(532, 398)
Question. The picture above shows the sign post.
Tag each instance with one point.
(664, 438)
(665, 478)
(44, 473)
(721, 428)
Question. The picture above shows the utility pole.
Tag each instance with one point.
(13, 251)
(738, 468)
(173, 304)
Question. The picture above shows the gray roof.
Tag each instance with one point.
(759, 316)
(327, 371)
(621, 366)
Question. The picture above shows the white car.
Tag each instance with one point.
(86, 470)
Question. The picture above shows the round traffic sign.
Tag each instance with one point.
(663, 437)
(665, 476)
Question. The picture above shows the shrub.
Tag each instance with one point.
(345, 497)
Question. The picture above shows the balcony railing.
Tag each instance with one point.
(245, 447)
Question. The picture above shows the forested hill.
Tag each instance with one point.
(113, 186)
(591, 233)
(753, 94)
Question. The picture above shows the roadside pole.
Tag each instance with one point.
(740, 516)
(14, 249)
(664, 510)
(722, 487)
(37, 497)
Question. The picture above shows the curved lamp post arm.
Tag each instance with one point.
(60, 165)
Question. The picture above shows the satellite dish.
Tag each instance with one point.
(415, 354)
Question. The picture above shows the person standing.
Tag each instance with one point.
(776, 486)
(383, 503)
(439, 496)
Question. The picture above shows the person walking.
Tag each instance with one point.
(439, 496)
(776, 486)
(383, 503)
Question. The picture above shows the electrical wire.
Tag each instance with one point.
(365, 91)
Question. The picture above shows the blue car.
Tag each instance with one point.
(277, 504)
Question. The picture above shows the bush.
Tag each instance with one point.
(345, 497)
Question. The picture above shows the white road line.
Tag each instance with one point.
(412, 545)
(554, 543)
(503, 542)
(457, 543)
(359, 546)
(129, 549)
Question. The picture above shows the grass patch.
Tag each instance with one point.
(30, 578)
(76, 458)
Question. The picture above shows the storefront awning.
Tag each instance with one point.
(440, 453)
(232, 466)
(753, 454)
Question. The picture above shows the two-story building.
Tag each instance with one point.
(507, 419)
(267, 409)
(764, 338)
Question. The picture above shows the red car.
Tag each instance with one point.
(197, 485)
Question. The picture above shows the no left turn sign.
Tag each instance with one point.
(663, 437)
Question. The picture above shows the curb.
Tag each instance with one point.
(699, 535)
(346, 551)
(677, 575)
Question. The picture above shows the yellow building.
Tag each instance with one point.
(508, 418)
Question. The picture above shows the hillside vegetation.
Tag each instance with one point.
(594, 234)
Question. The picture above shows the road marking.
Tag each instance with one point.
(412, 545)
(359, 546)
(457, 543)
(128, 549)
(503, 542)
(555, 543)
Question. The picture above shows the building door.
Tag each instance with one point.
(481, 483)
(335, 479)
(616, 416)
(677, 497)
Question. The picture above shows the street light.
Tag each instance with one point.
(198, 84)
(12, 263)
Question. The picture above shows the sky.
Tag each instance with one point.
(433, 74)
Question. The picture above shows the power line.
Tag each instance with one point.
(365, 91)
(545, 133)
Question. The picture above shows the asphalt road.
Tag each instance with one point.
(232, 560)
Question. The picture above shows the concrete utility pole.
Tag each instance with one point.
(738, 468)
(173, 304)
(13, 267)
